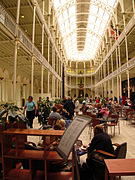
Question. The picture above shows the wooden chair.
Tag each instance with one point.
(94, 122)
(131, 116)
(97, 161)
(114, 121)
(126, 113)
(119, 152)
(119, 110)
(88, 114)
(99, 165)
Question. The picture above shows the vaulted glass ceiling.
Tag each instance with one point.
(82, 24)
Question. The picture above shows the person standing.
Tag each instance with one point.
(69, 106)
(31, 110)
(77, 106)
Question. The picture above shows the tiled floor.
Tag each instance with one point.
(127, 134)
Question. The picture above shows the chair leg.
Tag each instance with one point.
(114, 130)
(119, 127)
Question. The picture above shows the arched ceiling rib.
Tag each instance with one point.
(82, 24)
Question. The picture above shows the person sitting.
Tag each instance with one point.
(54, 114)
(104, 111)
(100, 141)
(61, 123)
(64, 114)
(84, 108)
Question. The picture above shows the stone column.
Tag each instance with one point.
(53, 86)
(48, 82)
(128, 78)
(112, 88)
(32, 75)
(120, 86)
(84, 86)
(14, 75)
(42, 80)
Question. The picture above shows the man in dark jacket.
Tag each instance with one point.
(100, 141)
(69, 106)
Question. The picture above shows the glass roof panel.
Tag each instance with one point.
(82, 34)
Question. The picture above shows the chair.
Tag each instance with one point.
(93, 123)
(99, 166)
(132, 117)
(114, 121)
(126, 112)
(97, 161)
(119, 110)
(119, 152)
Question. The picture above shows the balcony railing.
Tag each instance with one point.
(7, 21)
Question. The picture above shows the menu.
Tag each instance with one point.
(71, 135)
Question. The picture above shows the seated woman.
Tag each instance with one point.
(100, 141)
(53, 141)
(104, 112)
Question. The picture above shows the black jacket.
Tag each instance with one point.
(101, 141)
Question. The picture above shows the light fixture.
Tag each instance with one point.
(22, 16)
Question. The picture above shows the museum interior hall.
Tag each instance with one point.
(67, 67)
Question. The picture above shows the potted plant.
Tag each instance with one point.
(12, 116)
(44, 109)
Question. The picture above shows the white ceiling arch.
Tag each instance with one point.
(82, 25)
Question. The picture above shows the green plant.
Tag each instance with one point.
(81, 100)
(58, 101)
(44, 109)
(10, 113)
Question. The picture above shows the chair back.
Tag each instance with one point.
(114, 117)
(95, 121)
(121, 151)
(88, 113)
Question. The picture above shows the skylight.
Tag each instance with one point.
(100, 12)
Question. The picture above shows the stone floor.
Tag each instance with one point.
(127, 134)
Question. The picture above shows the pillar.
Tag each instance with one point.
(48, 81)
(128, 83)
(120, 86)
(32, 75)
(14, 75)
(42, 80)
(112, 88)
(48, 50)
(84, 86)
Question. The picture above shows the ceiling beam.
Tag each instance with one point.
(15, 7)
(6, 41)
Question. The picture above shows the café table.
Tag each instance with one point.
(119, 167)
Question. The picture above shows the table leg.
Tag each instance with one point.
(105, 127)
(106, 174)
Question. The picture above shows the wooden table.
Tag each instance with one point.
(119, 167)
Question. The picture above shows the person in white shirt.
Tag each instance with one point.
(77, 106)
